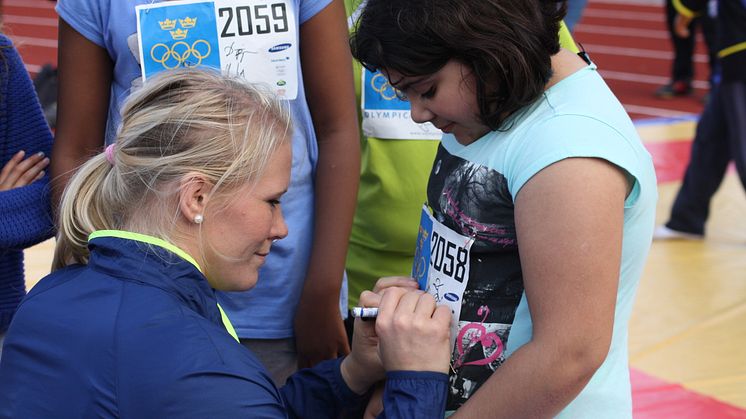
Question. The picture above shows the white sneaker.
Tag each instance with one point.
(664, 233)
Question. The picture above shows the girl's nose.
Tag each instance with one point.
(419, 112)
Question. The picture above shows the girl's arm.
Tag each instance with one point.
(569, 220)
(327, 74)
(85, 72)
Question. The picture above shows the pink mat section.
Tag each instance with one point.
(670, 159)
(653, 398)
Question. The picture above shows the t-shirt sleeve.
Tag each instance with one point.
(310, 8)
(85, 16)
(571, 136)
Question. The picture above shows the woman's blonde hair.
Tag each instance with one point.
(179, 122)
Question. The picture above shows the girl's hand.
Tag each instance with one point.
(19, 172)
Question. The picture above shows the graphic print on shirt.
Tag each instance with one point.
(474, 201)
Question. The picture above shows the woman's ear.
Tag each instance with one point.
(194, 193)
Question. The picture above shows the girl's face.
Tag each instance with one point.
(447, 98)
(239, 235)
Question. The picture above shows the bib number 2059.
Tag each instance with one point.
(257, 19)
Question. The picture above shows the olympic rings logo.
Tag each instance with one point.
(386, 90)
(180, 53)
(419, 269)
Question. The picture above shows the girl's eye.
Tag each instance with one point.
(401, 95)
(274, 202)
(429, 93)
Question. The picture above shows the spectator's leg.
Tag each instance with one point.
(706, 169)
(734, 103)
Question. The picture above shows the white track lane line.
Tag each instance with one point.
(646, 79)
(20, 41)
(637, 52)
(658, 112)
(29, 20)
(621, 31)
(652, 3)
(38, 4)
(625, 15)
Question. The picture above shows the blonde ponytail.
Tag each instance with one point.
(181, 121)
(83, 211)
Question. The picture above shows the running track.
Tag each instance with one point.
(629, 43)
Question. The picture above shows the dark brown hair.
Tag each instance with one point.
(507, 43)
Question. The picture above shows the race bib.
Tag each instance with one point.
(385, 115)
(441, 265)
(253, 39)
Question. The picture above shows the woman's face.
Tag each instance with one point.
(447, 98)
(238, 234)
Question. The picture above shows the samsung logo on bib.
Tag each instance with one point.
(451, 297)
(279, 47)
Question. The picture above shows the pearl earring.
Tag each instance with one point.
(198, 219)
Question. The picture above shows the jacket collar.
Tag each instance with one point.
(155, 262)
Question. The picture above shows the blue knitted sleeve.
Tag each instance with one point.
(25, 213)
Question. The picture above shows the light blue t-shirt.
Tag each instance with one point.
(266, 311)
(472, 191)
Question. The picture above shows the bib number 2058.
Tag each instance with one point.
(448, 257)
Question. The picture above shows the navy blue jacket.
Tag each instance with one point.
(137, 333)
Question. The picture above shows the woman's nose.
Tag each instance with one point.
(279, 228)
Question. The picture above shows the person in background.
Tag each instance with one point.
(575, 10)
(25, 143)
(682, 67)
(294, 319)
(721, 132)
(184, 202)
(540, 203)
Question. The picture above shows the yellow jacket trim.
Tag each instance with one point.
(155, 241)
(683, 10)
(732, 49)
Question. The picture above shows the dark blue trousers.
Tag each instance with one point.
(720, 138)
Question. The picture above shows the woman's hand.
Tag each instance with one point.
(413, 332)
(19, 172)
(395, 281)
(410, 334)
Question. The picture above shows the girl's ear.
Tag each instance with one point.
(194, 193)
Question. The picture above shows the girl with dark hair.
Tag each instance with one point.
(540, 203)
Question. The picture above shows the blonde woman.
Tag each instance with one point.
(186, 202)
(293, 321)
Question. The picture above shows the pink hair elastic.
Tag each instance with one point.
(109, 153)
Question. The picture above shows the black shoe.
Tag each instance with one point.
(675, 88)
